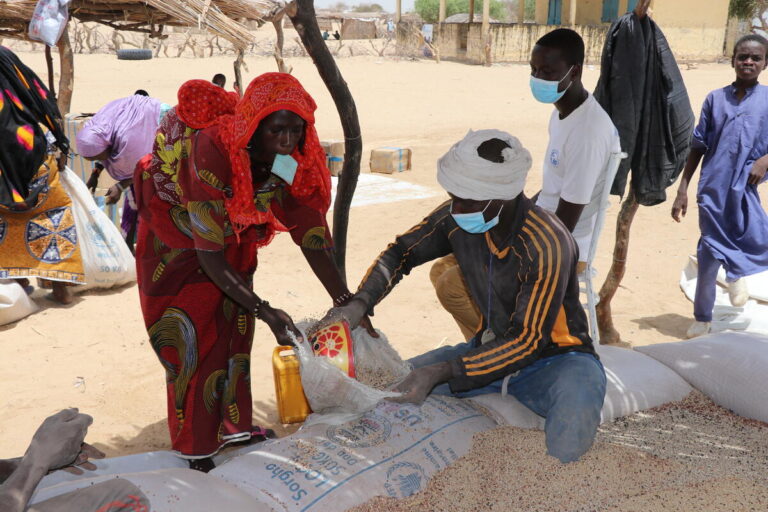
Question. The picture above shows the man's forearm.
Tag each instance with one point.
(18, 488)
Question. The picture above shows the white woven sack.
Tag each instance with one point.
(171, 490)
(731, 368)
(15, 304)
(107, 261)
(634, 382)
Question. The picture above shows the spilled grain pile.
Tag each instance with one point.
(688, 456)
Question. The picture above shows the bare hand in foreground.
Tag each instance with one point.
(420, 382)
(680, 206)
(58, 442)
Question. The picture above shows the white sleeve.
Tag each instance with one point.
(586, 156)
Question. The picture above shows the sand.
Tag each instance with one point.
(94, 355)
(692, 456)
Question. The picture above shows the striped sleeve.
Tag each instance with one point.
(424, 242)
(549, 256)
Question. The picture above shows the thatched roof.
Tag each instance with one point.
(150, 16)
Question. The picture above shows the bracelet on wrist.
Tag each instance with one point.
(342, 299)
(259, 309)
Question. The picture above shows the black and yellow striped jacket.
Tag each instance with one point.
(526, 289)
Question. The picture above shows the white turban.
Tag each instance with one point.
(465, 174)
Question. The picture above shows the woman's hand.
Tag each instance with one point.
(680, 206)
(280, 324)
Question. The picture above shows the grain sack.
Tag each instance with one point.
(15, 304)
(335, 397)
(731, 368)
(170, 490)
(634, 382)
(392, 450)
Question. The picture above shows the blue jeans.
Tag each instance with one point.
(567, 390)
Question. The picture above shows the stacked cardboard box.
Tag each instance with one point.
(390, 159)
(334, 153)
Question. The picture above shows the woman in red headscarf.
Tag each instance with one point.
(224, 177)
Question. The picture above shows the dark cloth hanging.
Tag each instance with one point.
(642, 90)
(25, 105)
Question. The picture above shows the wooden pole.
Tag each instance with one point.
(49, 65)
(486, 32)
(608, 333)
(572, 13)
(471, 11)
(441, 12)
(238, 73)
(303, 16)
(398, 10)
(278, 23)
(521, 11)
(67, 67)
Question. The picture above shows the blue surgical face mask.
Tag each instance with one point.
(475, 222)
(546, 90)
(285, 166)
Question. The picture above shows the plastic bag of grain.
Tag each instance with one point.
(337, 398)
(392, 450)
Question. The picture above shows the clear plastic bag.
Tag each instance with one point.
(49, 21)
(337, 398)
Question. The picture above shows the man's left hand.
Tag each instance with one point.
(420, 382)
(757, 173)
(113, 194)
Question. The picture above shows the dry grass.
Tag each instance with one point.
(217, 16)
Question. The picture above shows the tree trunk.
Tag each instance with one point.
(67, 68)
(305, 22)
(49, 65)
(238, 73)
(608, 333)
(281, 66)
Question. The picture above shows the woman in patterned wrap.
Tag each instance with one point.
(224, 177)
(37, 228)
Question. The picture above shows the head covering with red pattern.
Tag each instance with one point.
(202, 104)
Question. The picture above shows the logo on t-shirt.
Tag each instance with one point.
(554, 157)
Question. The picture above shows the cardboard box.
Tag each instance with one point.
(334, 154)
(390, 159)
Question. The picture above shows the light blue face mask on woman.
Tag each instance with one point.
(546, 90)
(475, 222)
(285, 166)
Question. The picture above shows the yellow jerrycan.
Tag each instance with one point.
(292, 405)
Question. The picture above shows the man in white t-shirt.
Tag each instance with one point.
(581, 136)
(581, 140)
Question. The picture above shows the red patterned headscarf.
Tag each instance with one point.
(201, 106)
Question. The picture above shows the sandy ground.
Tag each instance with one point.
(94, 355)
